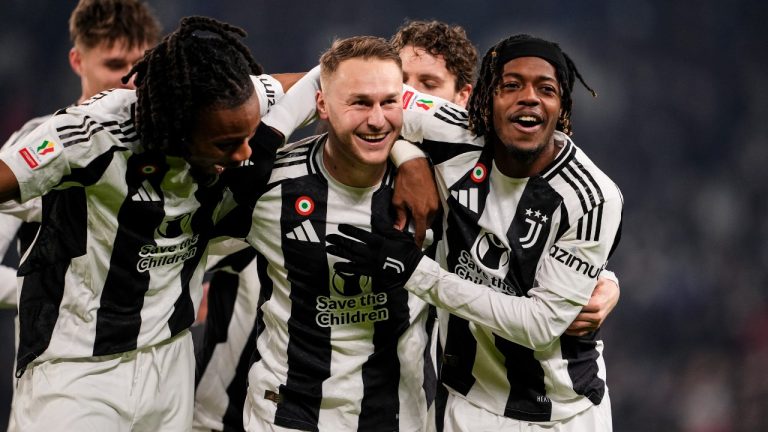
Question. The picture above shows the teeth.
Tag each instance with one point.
(372, 137)
(527, 118)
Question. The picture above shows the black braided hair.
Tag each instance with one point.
(480, 105)
(186, 73)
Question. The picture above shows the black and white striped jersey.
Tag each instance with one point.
(119, 259)
(533, 249)
(229, 341)
(335, 352)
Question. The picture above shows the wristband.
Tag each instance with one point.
(403, 151)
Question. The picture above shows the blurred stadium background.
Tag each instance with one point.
(679, 124)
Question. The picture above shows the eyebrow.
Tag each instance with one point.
(537, 78)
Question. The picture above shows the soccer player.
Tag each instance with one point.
(131, 183)
(108, 37)
(335, 351)
(529, 224)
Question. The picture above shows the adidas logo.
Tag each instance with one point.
(304, 232)
(467, 198)
(146, 193)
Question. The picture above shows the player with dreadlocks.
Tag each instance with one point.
(131, 183)
(529, 225)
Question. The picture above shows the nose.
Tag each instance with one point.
(528, 95)
(376, 117)
(242, 152)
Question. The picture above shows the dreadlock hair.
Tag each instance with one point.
(186, 73)
(480, 105)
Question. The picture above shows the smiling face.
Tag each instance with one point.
(526, 108)
(102, 67)
(361, 100)
(429, 74)
(219, 138)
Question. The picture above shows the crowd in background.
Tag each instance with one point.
(678, 123)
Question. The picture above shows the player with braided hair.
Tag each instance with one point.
(529, 225)
(131, 183)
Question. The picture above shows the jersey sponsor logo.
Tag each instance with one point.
(535, 220)
(27, 156)
(146, 192)
(491, 251)
(153, 256)
(304, 205)
(350, 284)
(467, 198)
(407, 96)
(468, 269)
(479, 173)
(174, 226)
(353, 304)
(304, 232)
(575, 263)
(35, 156)
(270, 91)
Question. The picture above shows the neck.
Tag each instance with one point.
(349, 171)
(522, 164)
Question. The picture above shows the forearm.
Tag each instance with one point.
(534, 322)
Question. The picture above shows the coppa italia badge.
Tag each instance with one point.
(304, 205)
(35, 156)
(479, 172)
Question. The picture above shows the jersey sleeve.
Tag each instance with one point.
(38, 159)
(430, 118)
(298, 107)
(563, 285)
(269, 91)
(573, 263)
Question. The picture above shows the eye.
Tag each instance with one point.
(549, 90)
(510, 85)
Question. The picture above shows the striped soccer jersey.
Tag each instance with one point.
(230, 338)
(119, 259)
(545, 236)
(334, 351)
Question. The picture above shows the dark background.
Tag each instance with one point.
(679, 124)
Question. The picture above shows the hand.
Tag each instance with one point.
(392, 256)
(415, 193)
(603, 300)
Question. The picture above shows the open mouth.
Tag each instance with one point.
(527, 120)
(372, 138)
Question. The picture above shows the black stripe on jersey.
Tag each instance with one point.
(118, 320)
(461, 230)
(381, 372)
(523, 261)
(453, 116)
(527, 399)
(564, 157)
(202, 224)
(222, 296)
(440, 151)
(456, 113)
(265, 293)
(582, 355)
(309, 348)
(459, 356)
(62, 237)
(451, 121)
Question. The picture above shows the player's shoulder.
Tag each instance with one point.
(574, 175)
(296, 159)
